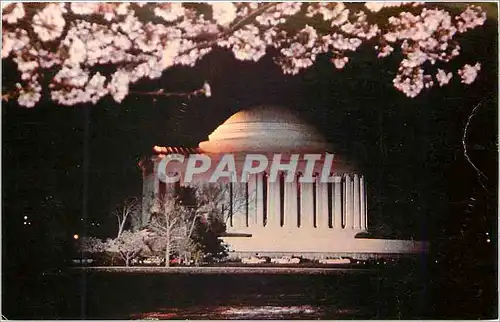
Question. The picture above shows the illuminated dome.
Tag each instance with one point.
(265, 129)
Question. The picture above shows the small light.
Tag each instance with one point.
(25, 217)
(487, 234)
(29, 223)
(488, 240)
(25, 223)
(75, 236)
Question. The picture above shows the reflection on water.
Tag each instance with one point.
(270, 312)
(236, 312)
(267, 311)
(342, 294)
(338, 295)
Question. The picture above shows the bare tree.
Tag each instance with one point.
(175, 223)
(163, 220)
(166, 219)
(129, 245)
(128, 212)
(224, 201)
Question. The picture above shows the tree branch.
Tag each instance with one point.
(158, 228)
(193, 224)
(480, 174)
(232, 29)
(252, 14)
(161, 92)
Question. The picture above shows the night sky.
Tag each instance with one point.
(66, 168)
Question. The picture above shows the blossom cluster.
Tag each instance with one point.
(78, 42)
(377, 6)
(428, 38)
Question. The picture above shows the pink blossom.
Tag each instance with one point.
(206, 89)
(169, 11)
(16, 13)
(119, 85)
(442, 77)
(223, 12)
(377, 6)
(48, 24)
(180, 35)
(340, 62)
(469, 73)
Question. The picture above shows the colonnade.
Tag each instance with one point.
(337, 205)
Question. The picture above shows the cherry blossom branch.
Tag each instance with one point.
(205, 90)
(7, 96)
(251, 15)
(137, 48)
(228, 31)
(480, 174)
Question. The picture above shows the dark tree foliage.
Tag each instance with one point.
(207, 230)
(207, 238)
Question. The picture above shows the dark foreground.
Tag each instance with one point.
(394, 292)
(332, 294)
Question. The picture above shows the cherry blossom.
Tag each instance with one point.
(207, 90)
(336, 12)
(223, 12)
(442, 77)
(246, 44)
(16, 13)
(81, 52)
(82, 8)
(29, 97)
(340, 62)
(379, 5)
(277, 14)
(469, 73)
(119, 85)
(49, 23)
(169, 11)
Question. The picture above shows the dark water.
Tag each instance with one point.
(343, 294)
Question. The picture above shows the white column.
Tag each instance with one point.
(321, 204)
(357, 212)
(273, 204)
(252, 205)
(306, 205)
(239, 205)
(344, 201)
(290, 220)
(226, 203)
(364, 207)
(337, 202)
(349, 203)
(156, 182)
(259, 200)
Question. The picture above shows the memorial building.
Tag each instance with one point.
(286, 215)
